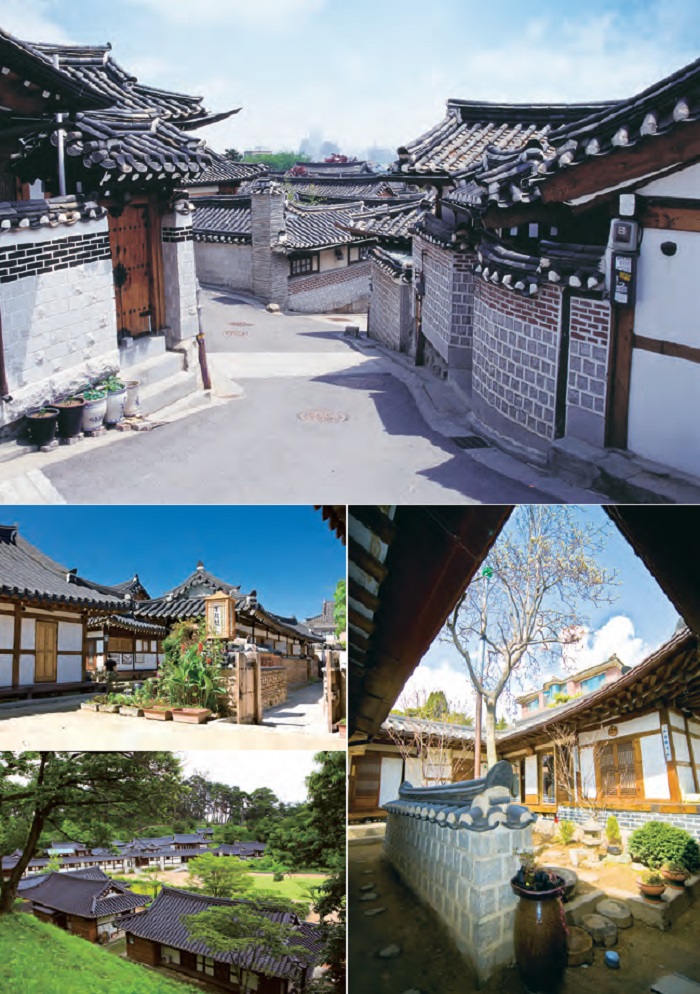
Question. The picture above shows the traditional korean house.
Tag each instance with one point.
(224, 177)
(132, 647)
(91, 149)
(46, 611)
(242, 850)
(324, 623)
(158, 937)
(91, 907)
(301, 257)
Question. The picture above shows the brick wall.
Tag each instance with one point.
(270, 269)
(588, 369)
(390, 318)
(297, 668)
(448, 303)
(58, 312)
(273, 680)
(223, 264)
(332, 290)
(516, 348)
(179, 277)
(629, 820)
(464, 876)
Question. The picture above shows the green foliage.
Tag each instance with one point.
(112, 385)
(653, 878)
(233, 155)
(37, 958)
(566, 832)
(612, 831)
(279, 162)
(191, 672)
(220, 876)
(658, 843)
(230, 833)
(340, 608)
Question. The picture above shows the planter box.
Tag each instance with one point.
(108, 708)
(158, 714)
(343, 731)
(89, 706)
(132, 712)
(192, 716)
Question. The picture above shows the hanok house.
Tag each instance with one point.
(564, 249)
(224, 177)
(242, 850)
(46, 611)
(324, 623)
(96, 236)
(90, 908)
(158, 937)
(301, 257)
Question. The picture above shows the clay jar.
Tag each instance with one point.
(540, 937)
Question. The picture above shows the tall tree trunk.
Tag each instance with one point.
(490, 729)
(8, 891)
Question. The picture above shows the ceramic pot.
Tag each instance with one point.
(156, 713)
(116, 403)
(42, 426)
(70, 417)
(94, 414)
(675, 879)
(131, 406)
(191, 716)
(540, 937)
(652, 891)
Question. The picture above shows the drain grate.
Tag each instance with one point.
(323, 417)
(472, 442)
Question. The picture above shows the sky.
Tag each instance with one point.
(363, 72)
(283, 772)
(288, 554)
(638, 621)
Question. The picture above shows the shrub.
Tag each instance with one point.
(652, 878)
(566, 832)
(657, 843)
(612, 831)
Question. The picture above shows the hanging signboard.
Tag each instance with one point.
(667, 743)
(220, 616)
(624, 278)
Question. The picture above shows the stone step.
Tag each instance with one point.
(163, 393)
(155, 368)
(581, 905)
(133, 351)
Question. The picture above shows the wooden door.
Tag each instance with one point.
(368, 773)
(249, 688)
(46, 647)
(130, 236)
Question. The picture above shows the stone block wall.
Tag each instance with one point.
(629, 820)
(273, 681)
(588, 369)
(448, 303)
(225, 264)
(390, 315)
(465, 877)
(516, 352)
(270, 268)
(336, 289)
(179, 276)
(298, 668)
(58, 312)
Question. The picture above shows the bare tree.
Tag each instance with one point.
(528, 602)
(576, 768)
(428, 731)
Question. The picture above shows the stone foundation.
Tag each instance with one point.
(390, 318)
(273, 680)
(629, 820)
(224, 264)
(334, 289)
(465, 877)
(179, 276)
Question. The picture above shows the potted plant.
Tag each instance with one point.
(158, 711)
(612, 834)
(116, 399)
(651, 885)
(191, 676)
(132, 404)
(94, 703)
(94, 409)
(674, 873)
(42, 425)
(343, 728)
(70, 416)
(540, 929)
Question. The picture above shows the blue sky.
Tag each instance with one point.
(639, 620)
(363, 72)
(288, 554)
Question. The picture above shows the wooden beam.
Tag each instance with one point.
(619, 376)
(357, 592)
(358, 620)
(669, 218)
(675, 350)
(376, 520)
(16, 645)
(366, 561)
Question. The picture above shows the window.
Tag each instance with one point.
(170, 955)
(205, 965)
(303, 265)
(130, 940)
(593, 683)
(533, 705)
(250, 981)
(619, 768)
(359, 253)
(547, 791)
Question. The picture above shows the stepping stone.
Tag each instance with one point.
(367, 887)
(372, 896)
(616, 911)
(389, 952)
(579, 946)
(374, 911)
(601, 930)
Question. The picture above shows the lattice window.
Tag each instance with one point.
(619, 769)
(303, 265)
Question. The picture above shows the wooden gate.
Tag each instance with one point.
(364, 794)
(332, 690)
(249, 690)
(45, 669)
(134, 243)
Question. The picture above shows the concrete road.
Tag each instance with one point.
(318, 421)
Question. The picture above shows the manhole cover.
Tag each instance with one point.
(472, 442)
(323, 417)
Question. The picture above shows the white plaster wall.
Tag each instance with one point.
(531, 781)
(225, 264)
(647, 723)
(654, 768)
(684, 183)
(694, 726)
(680, 744)
(7, 631)
(69, 669)
(28, 633)
(686, 781)
(146, 661)
(669, 280)
(5, 669)
(391, 779)
(414, 771)
(328, 261)
(26, 670)
(588, 779)
(70, 636)
(676, 720)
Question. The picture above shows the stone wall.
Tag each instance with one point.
(298, 668)
(390, 317)
(225, 264)
(464, 876)
(273, 680)
(516, 351)
(448, 301)
(336, 289)
(588, 369)
(58, 312)
(270, 267)
(629, 820)
(179, 276)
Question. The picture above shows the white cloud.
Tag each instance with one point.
(273, 14)
(617, 636)
(31, 20)
(443, 674)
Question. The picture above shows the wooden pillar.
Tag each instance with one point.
(619, 376)
(673, 784)
(16, 645)
(689, 739)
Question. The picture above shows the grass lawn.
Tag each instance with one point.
(36, 958)
(294, 888)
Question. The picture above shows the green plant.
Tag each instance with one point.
(612, 831)
(100, 699)
(674, 867)
(658, 843)
(652, 878)
(191, 672)
(566, 832)
(94, 394)
(112, 385)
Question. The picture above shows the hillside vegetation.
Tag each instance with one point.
(36, 958)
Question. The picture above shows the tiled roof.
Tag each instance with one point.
(21, 214)
(223, 219)
(580, 266)
(354, 167)
(27, 573)
(458, 143)
(369, 189)
(319, 227)
(239, 848)
(88, 873)
(134, 625)
(29, 64)
(402, 724)
(390, 223)
(393, 262)
(89, 898)
(162, 922)
(132, 586)
(223, 170)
